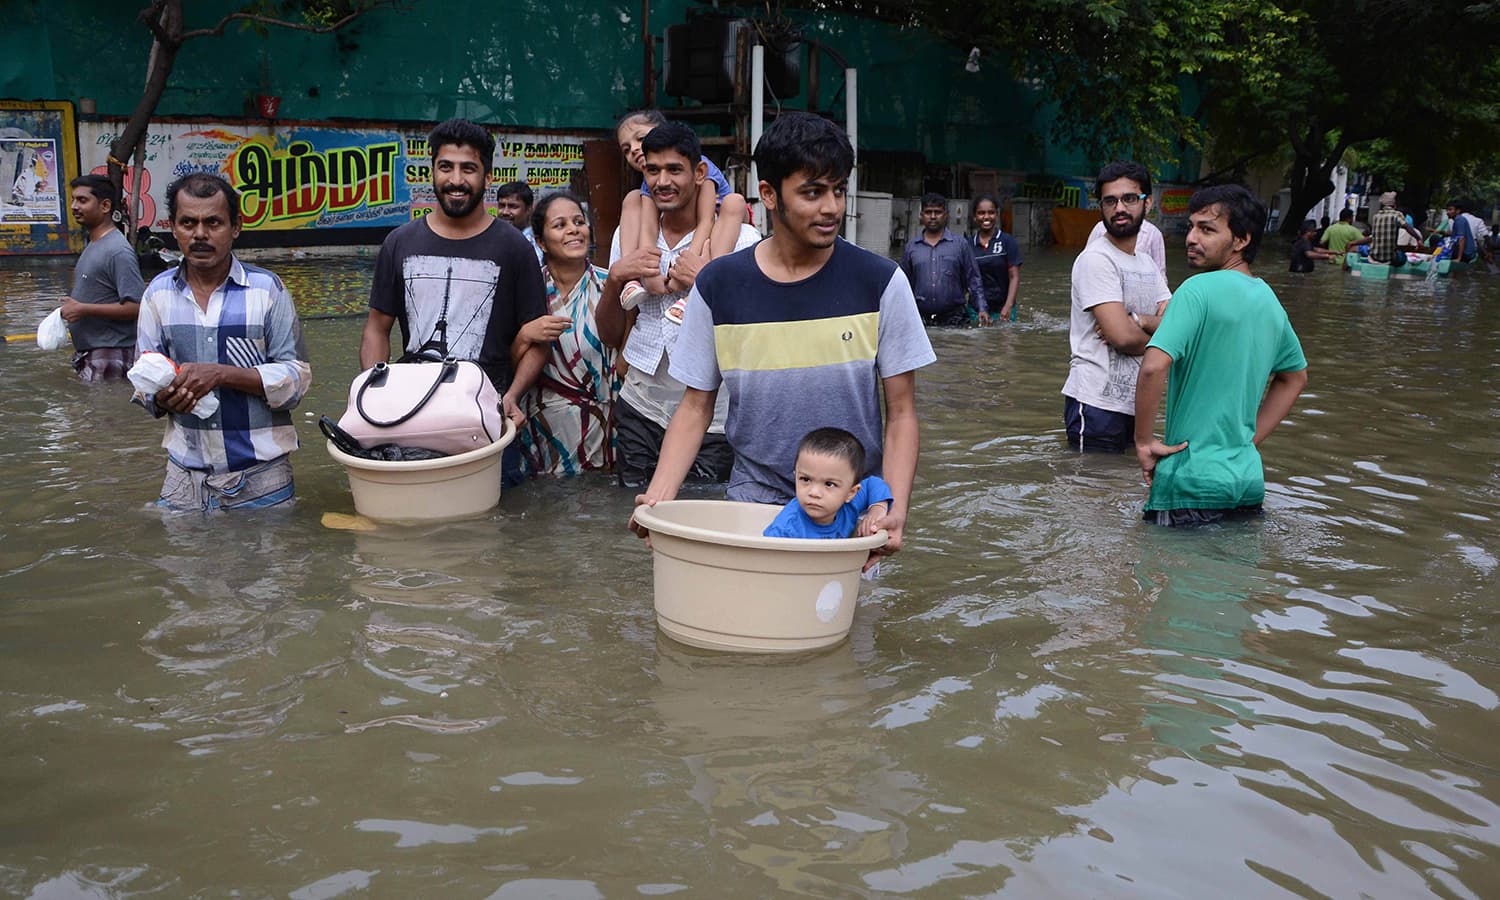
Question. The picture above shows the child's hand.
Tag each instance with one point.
(867, 522)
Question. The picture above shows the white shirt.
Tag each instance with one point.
(1149, 241)
(648, 387)
(1098, 374)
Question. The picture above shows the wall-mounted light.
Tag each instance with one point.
(972, 65)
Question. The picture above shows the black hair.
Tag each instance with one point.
(983, 196)
(649, 115)
(203, 185)
(1246, 215)
(463, 133)
(539, 213)
(932, 198)
(674, 136)
(802, 142)
(1460, 203)
(516, 189)
(1346, 214)
(1309, 225)
(101, 187)
(1123, 168)
(835, 442)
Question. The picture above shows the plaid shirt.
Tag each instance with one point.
(250, 323)
(1385, 230)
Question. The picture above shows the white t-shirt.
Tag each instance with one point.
(1149, 242)
(1098, 374)
(648, 388)
(1478, 226)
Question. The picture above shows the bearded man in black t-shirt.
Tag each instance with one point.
(460, 281)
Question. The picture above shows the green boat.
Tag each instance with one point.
(1362, 267)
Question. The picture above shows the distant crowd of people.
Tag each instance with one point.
(782, 366)
(1392, 235)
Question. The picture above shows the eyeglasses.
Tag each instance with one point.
(1128, 201)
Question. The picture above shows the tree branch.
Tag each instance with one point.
(283, 23)
(152, 17)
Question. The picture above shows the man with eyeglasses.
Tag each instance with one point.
(1118, 299)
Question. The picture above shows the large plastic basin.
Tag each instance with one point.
(720, 584)
(427, 490)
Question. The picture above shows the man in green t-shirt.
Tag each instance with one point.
(1342, 235)
(1224, 333)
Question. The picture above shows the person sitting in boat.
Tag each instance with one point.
(1479, 229)
(1305, 249)
(831, 502)
(1465, 246)
(1386, 227)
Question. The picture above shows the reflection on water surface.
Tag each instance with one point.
(1041, 696)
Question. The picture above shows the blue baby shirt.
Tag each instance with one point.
(792, 522)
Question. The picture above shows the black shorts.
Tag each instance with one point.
(1095, 430)
(638, 447)
(1178, 518)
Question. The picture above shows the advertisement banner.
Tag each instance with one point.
(297, 177)
(38, 157)
(1174, 201)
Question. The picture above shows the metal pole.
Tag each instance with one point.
(851, 119)
(757, 126)
(648, 63)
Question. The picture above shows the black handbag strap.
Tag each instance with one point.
(379, 373)
(340, 438)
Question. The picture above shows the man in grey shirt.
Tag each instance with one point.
(107, 285)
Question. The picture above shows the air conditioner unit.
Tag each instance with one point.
(700, 59)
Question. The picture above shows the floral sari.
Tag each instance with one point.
(570, 424)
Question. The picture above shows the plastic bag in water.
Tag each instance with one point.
(53, 332)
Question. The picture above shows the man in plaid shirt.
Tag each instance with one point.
(233, 332)
(1386, 227)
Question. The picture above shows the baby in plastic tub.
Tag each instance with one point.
(831, 502)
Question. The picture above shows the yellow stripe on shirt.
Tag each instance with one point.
(768, 346)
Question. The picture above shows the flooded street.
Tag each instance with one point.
(1042, 696)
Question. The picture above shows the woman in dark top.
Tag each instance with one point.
(998, 256)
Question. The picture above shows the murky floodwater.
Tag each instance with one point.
(1042, 696)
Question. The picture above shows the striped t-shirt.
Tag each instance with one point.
(798, 356)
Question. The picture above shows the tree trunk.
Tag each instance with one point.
(1310, 183)
(165, 22)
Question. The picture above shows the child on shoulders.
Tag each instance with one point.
(831, 501)
(720, 213)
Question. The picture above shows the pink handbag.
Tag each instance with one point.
(450, 407)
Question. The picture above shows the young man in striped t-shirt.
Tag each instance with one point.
(803, 331)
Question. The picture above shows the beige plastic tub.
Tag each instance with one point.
(722, 585)
(426, 490)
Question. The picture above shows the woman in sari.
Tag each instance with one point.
(570, 425)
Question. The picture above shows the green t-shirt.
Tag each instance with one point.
(1226, 333)
(1339, 234)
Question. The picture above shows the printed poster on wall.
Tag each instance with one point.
(294, 177)
(32, 196)
(37, 160)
